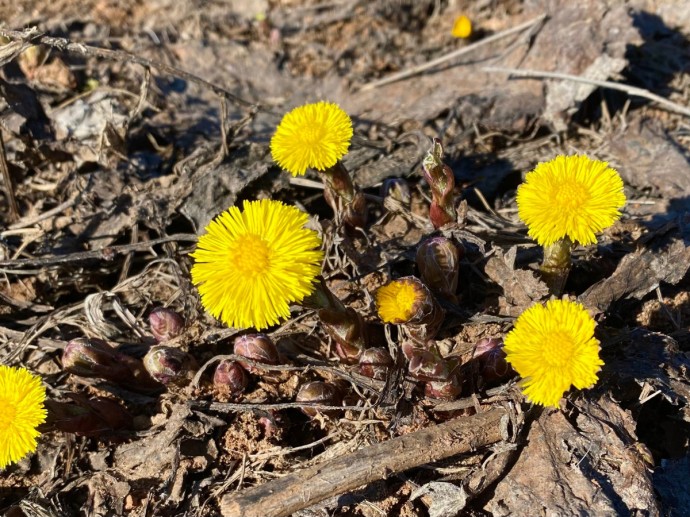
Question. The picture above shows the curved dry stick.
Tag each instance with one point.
(286, 495)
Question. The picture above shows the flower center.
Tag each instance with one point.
(558, 349)
(250, 255)
(405, 297)
(312, 135)
(7, 415)
(571, 195)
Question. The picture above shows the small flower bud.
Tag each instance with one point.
(491, 360)
(446, 390)
(169, 365)
(318, 392)
(347, 328)
(438, 260)
(442, 182)
(165, 323)
(375, 363)
(397, 189)
(257, 347)
(429, 366)
(230, 375)
(91, 357)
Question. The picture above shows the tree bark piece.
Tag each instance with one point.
(286, 495)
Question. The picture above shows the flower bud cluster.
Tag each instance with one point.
(233, 375)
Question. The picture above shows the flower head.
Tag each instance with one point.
(21, 411)
(570, 196)
(252, 263)
(314, 135)
(462, 27)
(398, 301)
(552, 347)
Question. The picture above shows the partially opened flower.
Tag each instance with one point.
(251, 264)
(314, 135)
(552, 347)
(400, 300)
(21, 411)
(570, 196)
(407, 301)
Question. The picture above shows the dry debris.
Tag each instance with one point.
(125, 127)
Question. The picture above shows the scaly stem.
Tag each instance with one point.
(343, 196)
(556, 265)
(345, 326)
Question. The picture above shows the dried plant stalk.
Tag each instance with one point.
(302, 489)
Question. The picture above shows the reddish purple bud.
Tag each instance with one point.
(272, 424)
(442, 182)
(438, 260)
(165, 323)
(91, 357)
(169, 365)
(375, 363)
(426, 365)
(257, 347)
(491, 360)
(319, 392)
(229, 374)
(446, 390)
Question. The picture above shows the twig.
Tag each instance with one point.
(630, 90)
(47, 214)
(33, 35)
(7, 180)
(108, 253)
(274, 406)
(302, 489)
(404, 74)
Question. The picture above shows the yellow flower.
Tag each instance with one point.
(399, 301)
(570, 196)
(462, 27)
(251, 264)
(21, 411)
(314, 135)
(552, 347)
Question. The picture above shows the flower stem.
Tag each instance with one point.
(343, 196)
(345, 326)
(556, 265)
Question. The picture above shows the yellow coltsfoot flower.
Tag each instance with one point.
(21, 411)
(570, 196)
(462, 27)
(314, 135)
(552, 347)
(253, 263)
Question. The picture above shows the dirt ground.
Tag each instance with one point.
(132, 124)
